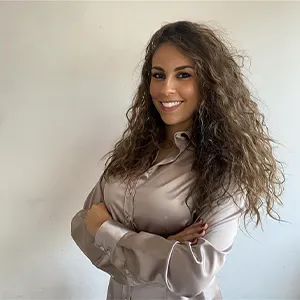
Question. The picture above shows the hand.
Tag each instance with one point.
(95, 217)
(191, 233)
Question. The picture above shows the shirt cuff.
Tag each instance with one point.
(109, 234)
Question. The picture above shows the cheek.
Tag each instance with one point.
(191, 94)
(154, 90)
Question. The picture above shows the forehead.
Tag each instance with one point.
(167, 55)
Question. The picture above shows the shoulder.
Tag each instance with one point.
(228, 209)
(224, 220)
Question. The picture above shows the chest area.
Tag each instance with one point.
(156, 201)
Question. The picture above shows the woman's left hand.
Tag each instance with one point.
(95, 217)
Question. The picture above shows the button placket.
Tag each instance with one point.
(128, 202)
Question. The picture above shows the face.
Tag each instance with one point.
(173, 88)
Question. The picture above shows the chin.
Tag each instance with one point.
(171, 122)
(179, 123)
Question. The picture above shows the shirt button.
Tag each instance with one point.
(112, 276)
(108, 253)
(102, 248)
(127, 272)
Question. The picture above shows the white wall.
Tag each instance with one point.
(67, 74)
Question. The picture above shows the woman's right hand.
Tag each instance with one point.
(191, 233)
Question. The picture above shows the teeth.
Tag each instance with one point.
(170, 104)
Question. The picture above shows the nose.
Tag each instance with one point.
(168, 87)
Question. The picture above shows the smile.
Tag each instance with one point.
(168, 106)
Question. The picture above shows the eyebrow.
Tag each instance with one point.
(176, 69)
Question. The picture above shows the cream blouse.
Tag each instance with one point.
(133, 249)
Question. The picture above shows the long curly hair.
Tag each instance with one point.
(231, 139)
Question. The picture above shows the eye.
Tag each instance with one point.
(158, 75)
(184, 75)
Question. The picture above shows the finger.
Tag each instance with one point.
(196, 224)
(194, 229)
(197, 227)
(193, 236)
(205, 226)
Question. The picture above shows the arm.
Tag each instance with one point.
(184, 269)
(85, 241)
(137, 258)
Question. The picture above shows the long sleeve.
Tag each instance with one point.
(85, 241)
(184, 269)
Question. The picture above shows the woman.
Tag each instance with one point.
(195, 158)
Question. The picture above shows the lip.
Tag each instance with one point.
(168, 109)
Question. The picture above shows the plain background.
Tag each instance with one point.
(68, 71)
